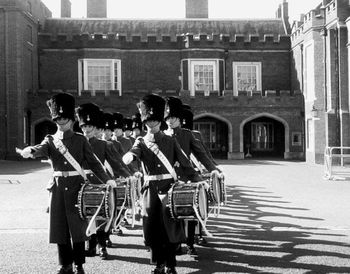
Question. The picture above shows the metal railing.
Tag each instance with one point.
(336, 163)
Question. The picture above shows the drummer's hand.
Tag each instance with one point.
(128, 158)
(111, 183)
(27, 153)
(138, 174)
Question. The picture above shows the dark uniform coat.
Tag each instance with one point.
(126, 143)
(105, 151)
(64, 215)
(156, 214)
(118, 146)
(199, 137)
(190, 144)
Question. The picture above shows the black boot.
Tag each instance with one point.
(66, 269)
(171, 270)
(79, 269)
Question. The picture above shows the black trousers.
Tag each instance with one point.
(191, 229)
(99, 238)
(67, 254)
(164, 254)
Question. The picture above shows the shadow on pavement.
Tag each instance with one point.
(246, 241)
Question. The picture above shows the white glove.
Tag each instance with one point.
(27, 153)
(128, 158)
(138, 174)
(111, 183)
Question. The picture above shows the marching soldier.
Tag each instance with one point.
(128, 123)
(68, 151)
(137, 127)
(187, 122)
(88, 116)
(162, 233)
(118, 131)
(189, 144)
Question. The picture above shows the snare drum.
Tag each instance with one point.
(188, 201)
(91, 196)
(121, 193)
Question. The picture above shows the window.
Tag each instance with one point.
(262, 136)
(208, 131)
(296, 139)
(246, 77)
(203, 76)
(99, 75)
(309, 81)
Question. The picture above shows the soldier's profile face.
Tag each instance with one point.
(88, 130)
(64, 124)
(173, 122)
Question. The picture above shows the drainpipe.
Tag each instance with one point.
(337, 83)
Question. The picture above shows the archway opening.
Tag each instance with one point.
(264, 137)
(215, 135)
(42, 129)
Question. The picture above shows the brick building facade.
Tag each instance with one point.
(320, 62)
(237, 75)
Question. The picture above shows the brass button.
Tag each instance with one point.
(65, 163)
(66, 188)
(158, 165)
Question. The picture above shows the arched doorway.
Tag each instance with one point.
(41, 129)
(215, 131)
(264, 137)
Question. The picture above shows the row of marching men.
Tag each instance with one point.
(81, 159)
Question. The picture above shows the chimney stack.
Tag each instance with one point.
(282, 13)
(66, 7)
(96, 8)
(196, 8)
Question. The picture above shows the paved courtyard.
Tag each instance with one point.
(281, 217)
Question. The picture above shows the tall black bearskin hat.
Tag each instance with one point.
(101, 120)
(173, 107)
(62, 105)
(151, 108)
(118, 120)
(127, 124)
(108, 119)
(136, 121)
(187, 119)
(88, 114)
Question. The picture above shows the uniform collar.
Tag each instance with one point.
(63, 134)
(154, 138)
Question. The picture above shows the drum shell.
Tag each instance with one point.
(184, 197)
(90, 198)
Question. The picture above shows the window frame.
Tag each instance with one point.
(309, 75)
(200, 61)
(212, 132)
(115, 64)
(258, 66)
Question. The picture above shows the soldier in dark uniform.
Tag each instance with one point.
(88, 116)
(67, 229)
(137, 126)
(189, 144)
(187, 122)
(118, 145)
(128, 129)
(162, 233)
(118, 131)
